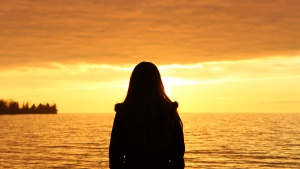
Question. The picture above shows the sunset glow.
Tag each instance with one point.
(214, 56)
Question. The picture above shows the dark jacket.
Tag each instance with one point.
(125, 155)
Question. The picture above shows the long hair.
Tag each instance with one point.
(149, 116)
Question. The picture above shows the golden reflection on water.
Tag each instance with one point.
(242, 140)
(212, 140)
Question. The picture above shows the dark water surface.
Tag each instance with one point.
(212, 140)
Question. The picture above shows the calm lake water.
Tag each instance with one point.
(212, 140)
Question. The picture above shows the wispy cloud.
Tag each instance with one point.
(283, 102)
(99, 75)
(273, 67)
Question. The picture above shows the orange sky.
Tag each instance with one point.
(215, 56)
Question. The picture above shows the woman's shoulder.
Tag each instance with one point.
(174, 112)
(172, 106)
(118, 107)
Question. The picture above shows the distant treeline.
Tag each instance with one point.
(13, 107)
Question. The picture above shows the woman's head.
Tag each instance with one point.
(145, 83)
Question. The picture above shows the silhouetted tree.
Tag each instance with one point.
(53, 108)
(3, 107)
(47, 108)
(32, 109)
(25, 108)
(40, 108)
(13, 107)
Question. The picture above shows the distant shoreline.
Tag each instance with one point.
(13, 108)
(24, 113)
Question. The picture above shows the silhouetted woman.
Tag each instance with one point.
(147, 130)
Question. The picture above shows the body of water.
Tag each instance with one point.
(212, 141)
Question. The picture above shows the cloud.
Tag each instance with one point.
(85, 75)
(127, 32)
(224, 71)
